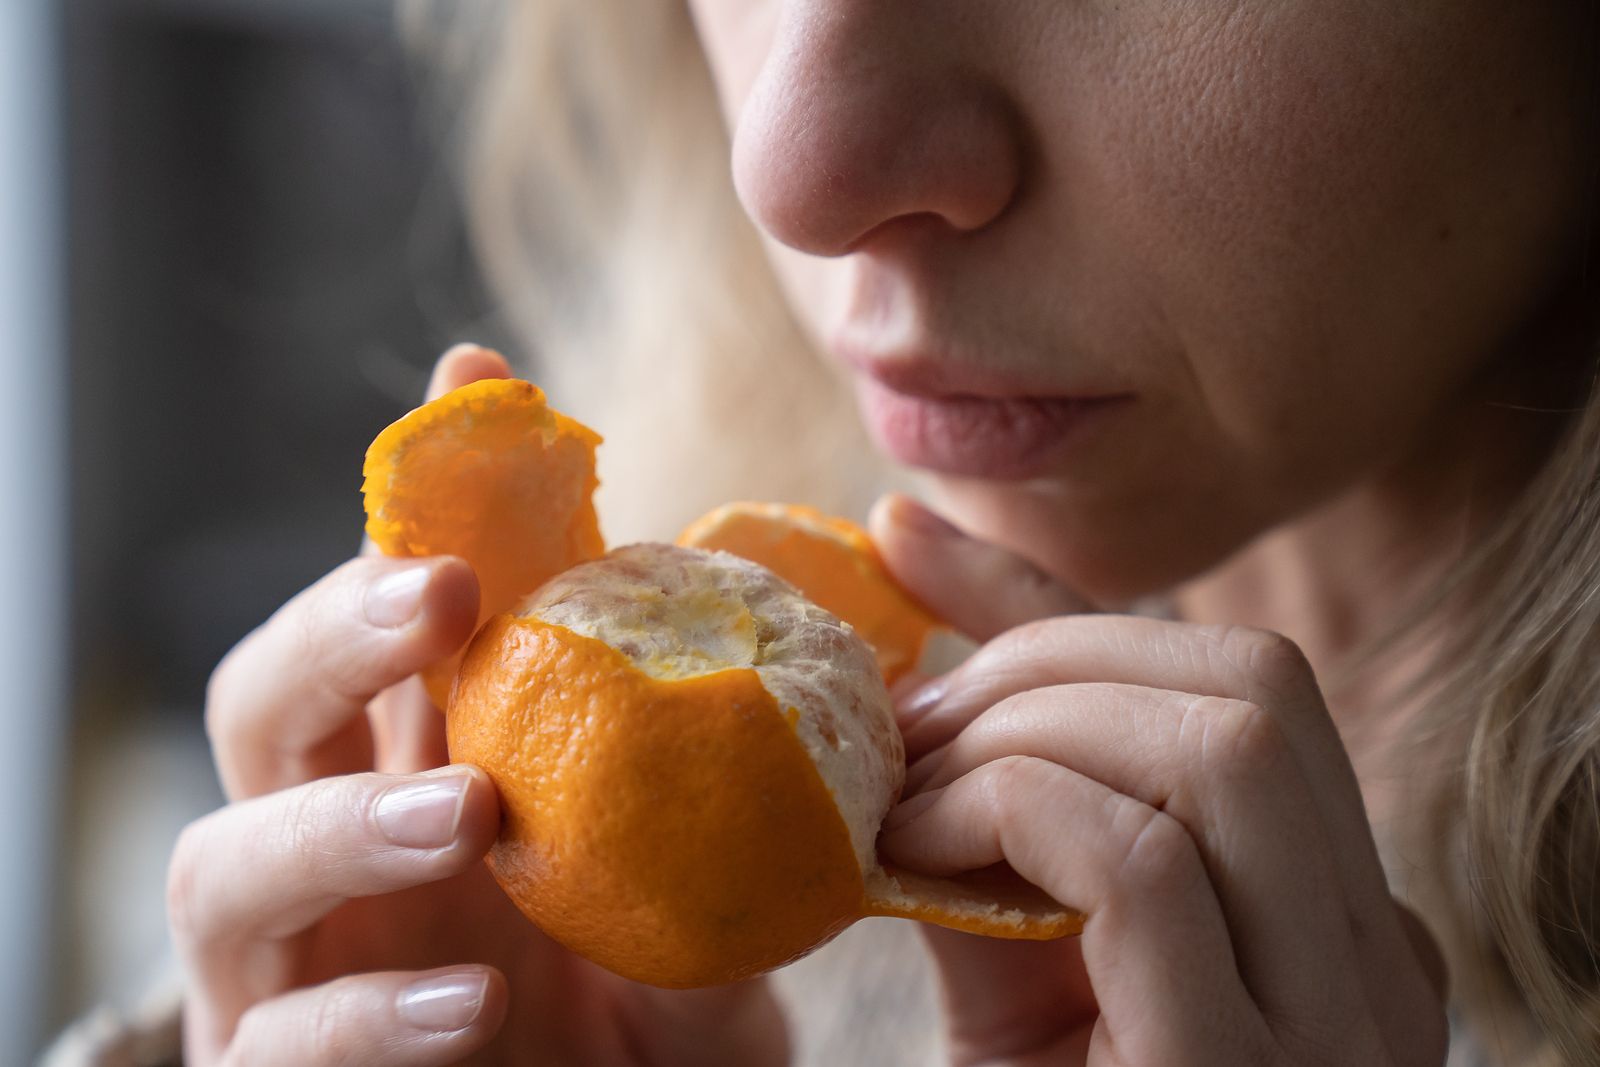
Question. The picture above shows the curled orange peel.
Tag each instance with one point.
(491, 473)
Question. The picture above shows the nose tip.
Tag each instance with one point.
(836, 141)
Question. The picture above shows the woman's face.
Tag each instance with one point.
(1138, 279)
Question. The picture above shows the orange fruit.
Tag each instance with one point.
(834, 562)
(490, 473)
(693, 758)
(694, 762)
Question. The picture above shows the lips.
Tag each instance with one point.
(946, 416)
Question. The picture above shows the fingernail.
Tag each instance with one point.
(425, 813)
(444, 1002)
(395, 599)
(901, 814)
(920, 701)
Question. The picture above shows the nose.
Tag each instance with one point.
(867, 113)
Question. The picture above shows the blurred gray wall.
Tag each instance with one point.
(33, 524)
(265, 256)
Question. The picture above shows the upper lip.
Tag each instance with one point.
(933, 378)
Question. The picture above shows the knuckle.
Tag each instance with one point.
(312, 820)
(1271, 659)
(329, 1027)
(1157, 852)
(221, 688)
(1034, 640)
(183, 906)
(1013, 784)
(1238, 738)
(253, 1027)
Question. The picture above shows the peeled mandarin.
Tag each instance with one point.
(694, 761)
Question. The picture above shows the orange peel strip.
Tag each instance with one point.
(831, 560)
(491, 473)
(994, 902)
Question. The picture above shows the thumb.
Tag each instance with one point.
(463, 365)
(979, 589)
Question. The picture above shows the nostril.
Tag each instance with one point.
(902, 229)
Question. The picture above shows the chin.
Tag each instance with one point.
(1112, 550)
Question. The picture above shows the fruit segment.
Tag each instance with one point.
(833, 562)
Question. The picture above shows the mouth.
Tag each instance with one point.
(941, 417)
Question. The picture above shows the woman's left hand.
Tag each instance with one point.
(1185, 787)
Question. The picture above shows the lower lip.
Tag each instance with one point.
(979, 437)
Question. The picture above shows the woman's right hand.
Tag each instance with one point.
(337, 910)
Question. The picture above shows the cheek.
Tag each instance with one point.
(1335, 229)
(1310, 243)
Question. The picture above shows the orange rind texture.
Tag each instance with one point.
(834, 562)
(490, 473)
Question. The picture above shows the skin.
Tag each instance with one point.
(1324, 265)
(1284, 228)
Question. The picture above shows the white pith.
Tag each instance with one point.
(681, 612)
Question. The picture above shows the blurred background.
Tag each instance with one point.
(229, 252)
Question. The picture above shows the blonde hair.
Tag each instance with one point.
(603, 210)
(593, 138)
(1511, 833)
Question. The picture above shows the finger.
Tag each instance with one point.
(1229, 662)
(303, 679)
(268, 868)
(978, 588)
(463, 365)
(1233, 663)
(407, 730)
(1155, 933)
(392, 1018)
(1223, 769)
(991, 1016)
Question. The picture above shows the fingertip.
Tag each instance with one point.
(464, 364)
(480, 809)
(897, 515)
(908, 538)
(496, 1001)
